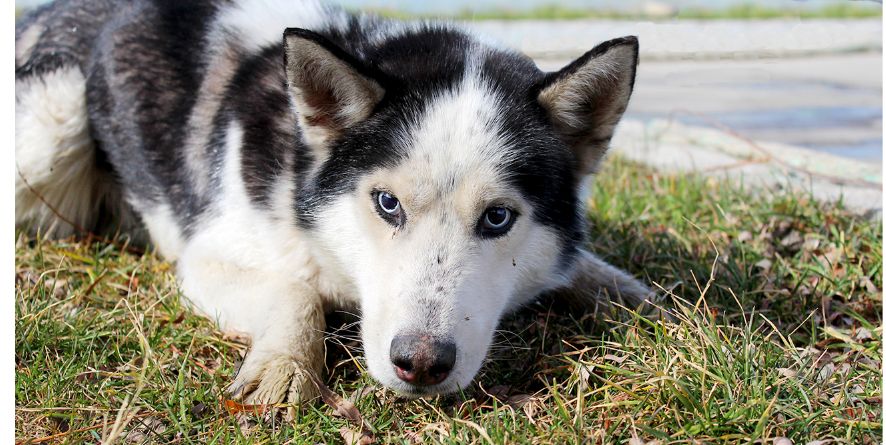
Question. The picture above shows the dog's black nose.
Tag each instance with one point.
(422, 360)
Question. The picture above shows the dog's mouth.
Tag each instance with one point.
(414, 391)
(407, 388)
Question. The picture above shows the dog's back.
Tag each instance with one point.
(127, 93)
(119, 106)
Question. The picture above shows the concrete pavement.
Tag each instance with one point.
(689, 39)
(793, 104)
(830, 103)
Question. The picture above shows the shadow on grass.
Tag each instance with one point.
(802, 265)
(813, 270)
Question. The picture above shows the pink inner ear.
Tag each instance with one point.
(323, 105)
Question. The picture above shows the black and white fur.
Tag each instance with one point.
(251, 138)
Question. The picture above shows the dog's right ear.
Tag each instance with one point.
(330, 89)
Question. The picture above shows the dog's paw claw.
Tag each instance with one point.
(268, 380)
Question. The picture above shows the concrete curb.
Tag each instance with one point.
(671, 146)
(689, 39)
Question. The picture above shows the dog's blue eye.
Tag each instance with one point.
(388, 203)
(389, 208)
(496, 221)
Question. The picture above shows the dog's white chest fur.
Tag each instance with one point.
(257, 252)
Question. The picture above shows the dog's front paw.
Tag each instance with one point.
(266, 379)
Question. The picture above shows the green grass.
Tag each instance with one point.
(845, 10)
(777, 332)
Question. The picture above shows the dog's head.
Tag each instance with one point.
(445, 178)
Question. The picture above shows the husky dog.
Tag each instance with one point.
(291, 158)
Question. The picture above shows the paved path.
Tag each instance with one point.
(690, 39)
(749, 100)
(811, 124)
(830, 103)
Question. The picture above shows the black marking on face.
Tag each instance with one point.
(543, 167)
(413, 68)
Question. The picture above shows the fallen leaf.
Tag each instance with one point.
(614, 358)
(832, 256)
(499, 391)
(792, 239)
(143, 429)
(198, 410)
(62, 424)
(178, 319)
(246, 423)
(234, 408)
(869, 285)
(352, 437)
(763, 264)
(826, 372)
(787, 372)
(440, 428)
(863, 334)
(519, 400)
(361, 392)
(341, 406)
(811, 243)
(584, 378)
(529, 404)
(56, 286)
(413, 437)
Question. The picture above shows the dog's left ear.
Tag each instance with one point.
(586, 99)
(331, 90)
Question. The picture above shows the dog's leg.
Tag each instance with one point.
(284, 318)
(279, 364)
(597, 284)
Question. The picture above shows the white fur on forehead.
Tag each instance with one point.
(459, 134)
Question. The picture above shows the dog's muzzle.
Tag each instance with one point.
(422, 360)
